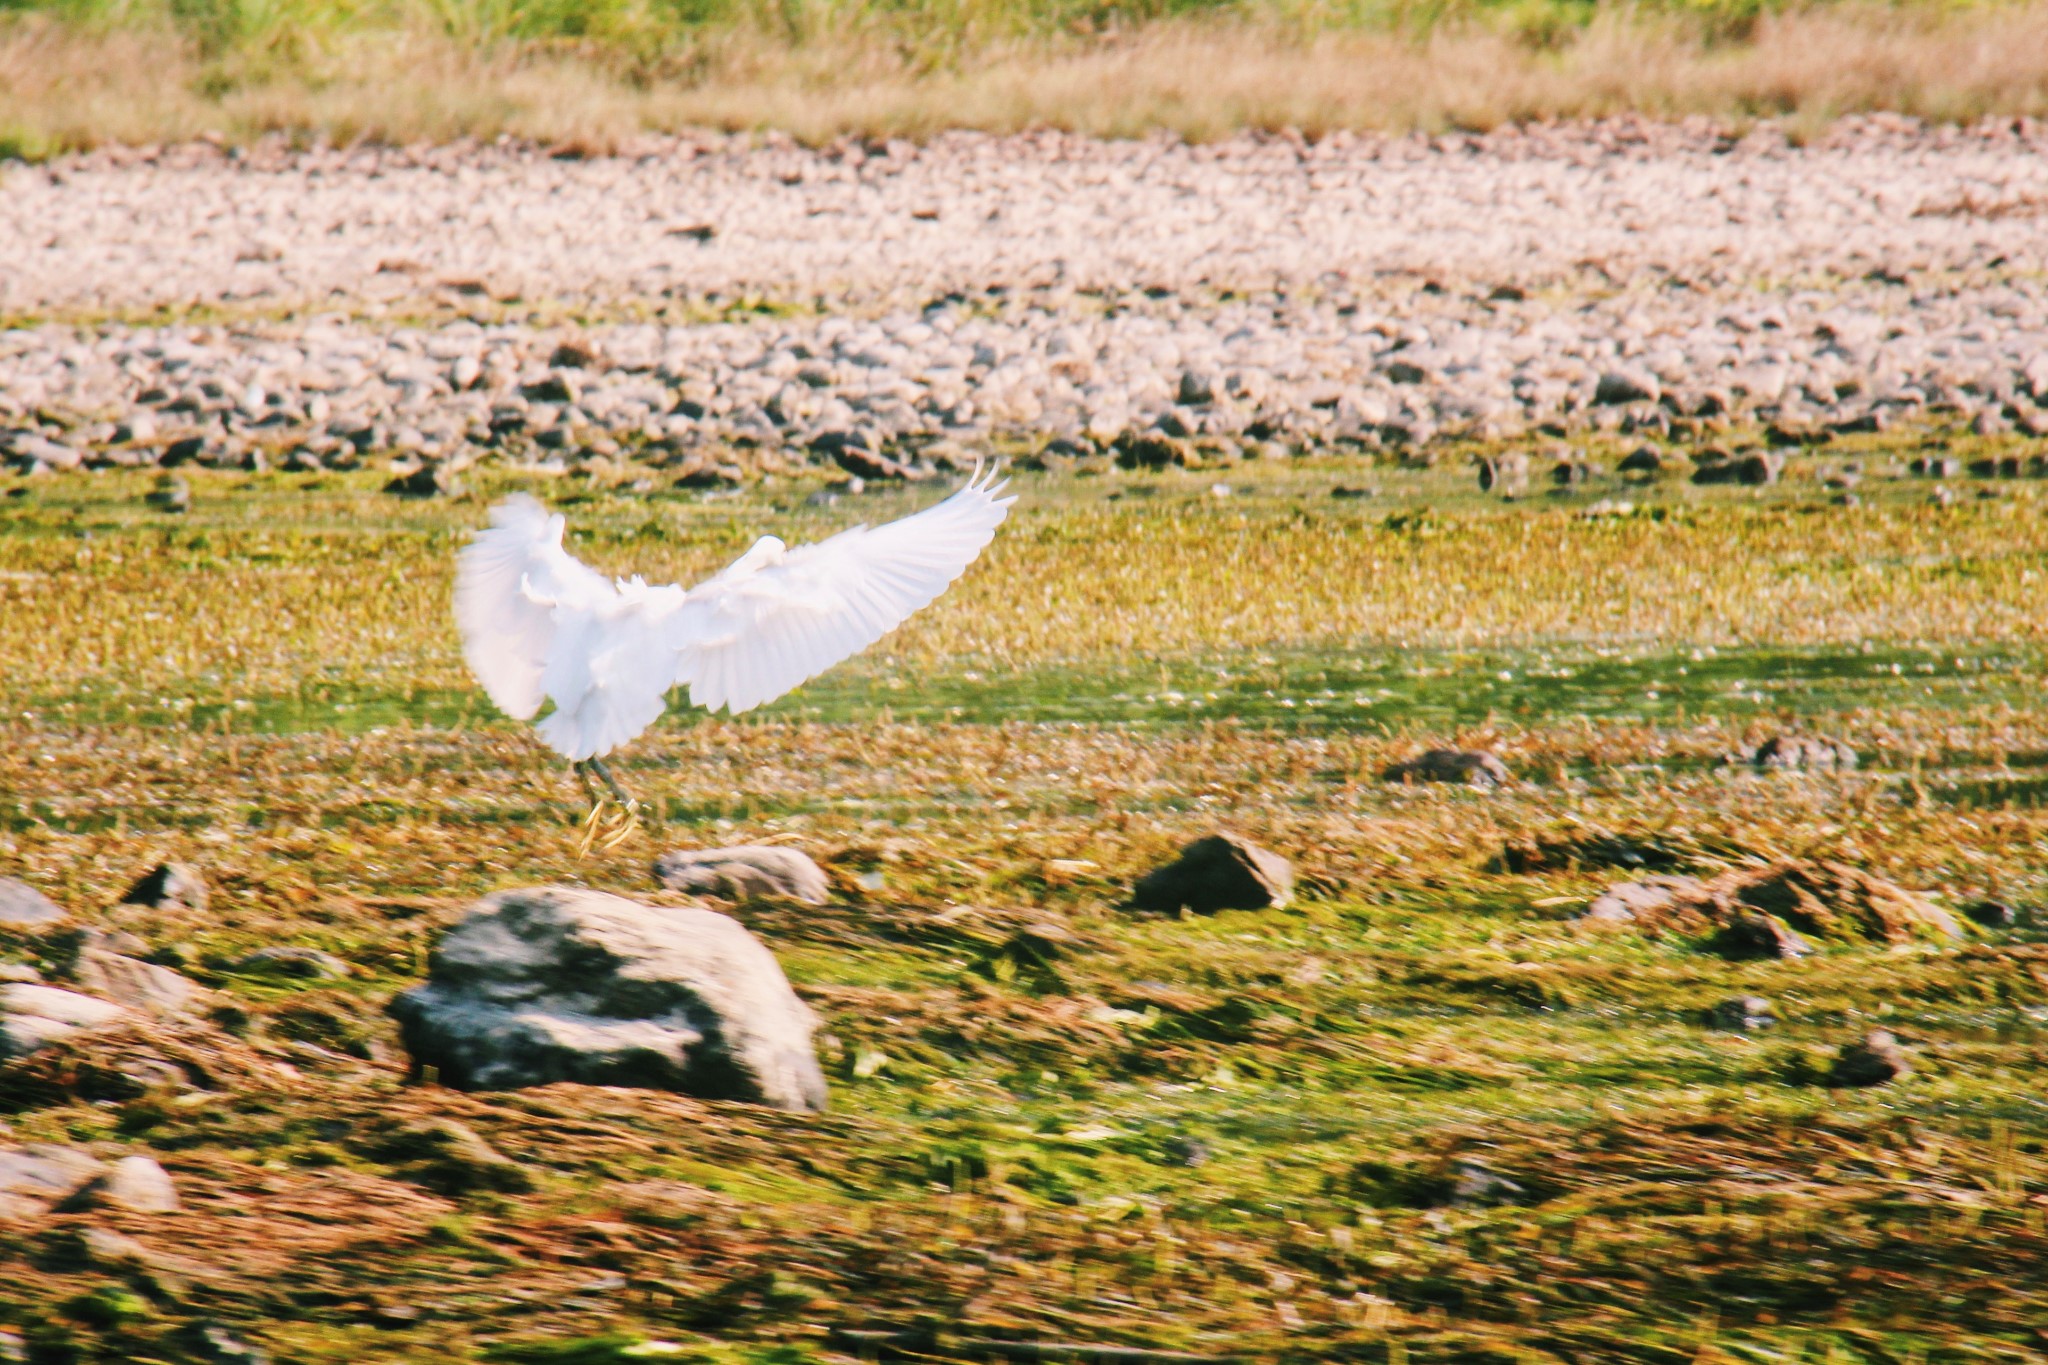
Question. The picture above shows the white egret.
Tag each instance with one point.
(538, 625)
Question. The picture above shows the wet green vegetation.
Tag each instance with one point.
(1419, 1114)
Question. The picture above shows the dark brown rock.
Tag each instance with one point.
(169, 886)
(1220, 872)
(1468, 767)
(1877, 1060)
(1803, 751)
(1757, 935)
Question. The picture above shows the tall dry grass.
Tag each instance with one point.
(68, 84)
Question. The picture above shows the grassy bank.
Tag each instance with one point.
(596, 75)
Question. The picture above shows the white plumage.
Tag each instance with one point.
(539, 625)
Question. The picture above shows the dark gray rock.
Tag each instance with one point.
(1468, 767)
(306, 964)
(1877, 1060)
(744, 872)
(24, 907)
(169, 886)
(1220, 872)
(1742, 1014)
(553, 984)
(1506, 474)
(1759, 935)
(171, 494)
(450, 1157)
(1627, 386)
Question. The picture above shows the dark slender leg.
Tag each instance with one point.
(618, 792)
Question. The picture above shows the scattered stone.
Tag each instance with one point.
(434, 479)
(1774, 910)
(1992, 914)
(216, 1345)
(451, 1158)
(1754, 468)
(1786, 752)
(1506, 474)
(745, 872)
(1592, 848)
(24, 907)
(1468, 767)
(34, 1016)
(1758, 935)
(1631, 901)
(169, 886)
(1644, 461)
(573, 355)
(1627, 386)
(135, 1183)
(1473, 1186)
(305, 964)
(1744, 1013)
(553, 984)
(1877, 1060)
(171, 494)
(1219, 872)
(35, 1178)
(136, 985)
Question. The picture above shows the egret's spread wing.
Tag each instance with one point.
(508, 584)
(775, 619)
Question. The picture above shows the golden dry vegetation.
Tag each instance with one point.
(84, 74)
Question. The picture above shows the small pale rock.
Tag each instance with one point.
(24, 907)
(134, 1183)
(1624, 903)
(138, 985)
(34, 1016)
(1220, 872)
(36, 1177)
(744, 872)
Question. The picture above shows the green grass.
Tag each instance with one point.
(1234, 1136)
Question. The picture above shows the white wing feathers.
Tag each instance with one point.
(507, 585)
(537, 624)
(777, 618)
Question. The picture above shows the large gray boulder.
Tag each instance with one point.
(554, 983)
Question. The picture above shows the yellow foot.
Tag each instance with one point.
(608, 825)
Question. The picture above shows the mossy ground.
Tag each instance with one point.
(1055, 1121)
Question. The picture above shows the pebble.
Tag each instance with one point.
(1259, 291)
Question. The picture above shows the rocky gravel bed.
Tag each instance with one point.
(739, 302)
